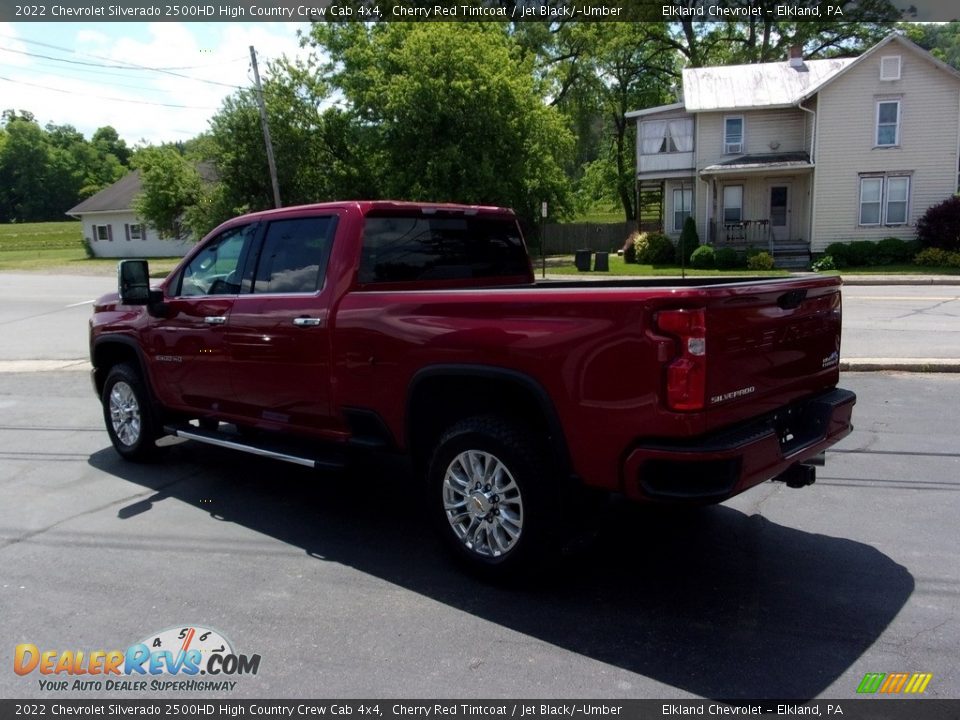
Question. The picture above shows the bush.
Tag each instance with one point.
(863, 253)
(761, 261)
(726, 258)
(689, 241)
(894, 250)
(703, 257)
(840, 252)
(937, 257)
(939, 226)
(654, 249)
(825, 263)
(629, 251)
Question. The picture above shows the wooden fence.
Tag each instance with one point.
(567, 238)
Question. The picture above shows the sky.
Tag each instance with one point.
(97, 74)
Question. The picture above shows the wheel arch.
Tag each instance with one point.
(111, 350)
(437, 397)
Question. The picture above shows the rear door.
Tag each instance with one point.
(278, 336)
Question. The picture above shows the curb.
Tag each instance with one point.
(915, 365)
(920, 280)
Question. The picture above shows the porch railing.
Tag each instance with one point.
(742, 234)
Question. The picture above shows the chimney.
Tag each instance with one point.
(796, 56)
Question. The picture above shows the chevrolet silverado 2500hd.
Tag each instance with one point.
(307, 332)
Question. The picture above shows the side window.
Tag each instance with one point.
(216, 269)
(294, 255)
(409, 248)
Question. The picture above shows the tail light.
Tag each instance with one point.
(687, 372)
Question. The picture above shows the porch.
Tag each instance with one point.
(786, 253)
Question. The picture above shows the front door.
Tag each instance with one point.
(187, 354)
(780, 211)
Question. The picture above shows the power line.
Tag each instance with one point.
(126, 65)
(120, 67)
(105, 97)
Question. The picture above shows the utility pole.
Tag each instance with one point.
(266, 130)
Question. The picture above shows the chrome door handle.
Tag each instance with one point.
(215, 319)
(306, 322)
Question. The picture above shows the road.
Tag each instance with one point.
(335, 582)
(901, 321)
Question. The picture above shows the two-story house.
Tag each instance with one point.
(792, 156)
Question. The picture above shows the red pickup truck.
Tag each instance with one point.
(305, 333)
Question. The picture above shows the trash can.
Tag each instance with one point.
(581, 259)
(601, 262)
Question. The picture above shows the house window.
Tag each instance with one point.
(890, 67)
(898, 194)
(102, 232)
(136, 232)
(733, 204)
(733, 134)
(682, 207)
(871, 190)
(666, 136)
(888, 123)
(884, 200)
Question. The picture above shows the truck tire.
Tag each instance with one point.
(493, 495)
(127, 414)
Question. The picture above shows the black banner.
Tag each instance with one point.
(855, 709)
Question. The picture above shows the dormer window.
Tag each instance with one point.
(890, 67)
(733, 135)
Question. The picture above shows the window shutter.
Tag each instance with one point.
(143, 231)
(126, 229)
(110, 233)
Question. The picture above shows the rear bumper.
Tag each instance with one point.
(714, 467)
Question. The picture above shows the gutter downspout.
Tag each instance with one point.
(813, 161)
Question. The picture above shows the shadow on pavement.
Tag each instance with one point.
(712, 601)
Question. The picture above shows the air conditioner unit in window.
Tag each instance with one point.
(734, 148)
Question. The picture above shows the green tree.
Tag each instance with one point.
(27, 178)
(454, 112)
(170, 185)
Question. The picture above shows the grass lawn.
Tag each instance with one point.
(565, 266)
(57, 247)
(900, 270)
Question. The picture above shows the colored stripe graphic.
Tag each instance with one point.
(893, 683)
(871, 682)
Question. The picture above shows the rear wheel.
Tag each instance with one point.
(494, 497)
(126, 412)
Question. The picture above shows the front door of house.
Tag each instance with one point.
(780, 211)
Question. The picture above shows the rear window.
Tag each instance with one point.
(294, 256)
(406, 248)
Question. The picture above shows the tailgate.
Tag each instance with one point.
(772, 341)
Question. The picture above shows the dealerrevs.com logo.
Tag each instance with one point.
(171, 660)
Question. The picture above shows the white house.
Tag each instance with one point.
(792, 156)
(111, 226)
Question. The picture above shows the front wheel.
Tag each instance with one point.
(495, 497)
(126, 412)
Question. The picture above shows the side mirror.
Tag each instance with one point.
(133, 280)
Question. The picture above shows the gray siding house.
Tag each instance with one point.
(792, 156)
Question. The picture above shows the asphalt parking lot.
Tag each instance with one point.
(337, 584)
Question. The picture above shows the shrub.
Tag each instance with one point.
(761, 261)
(654, 249)
(689, 241)
(939, 226)
(894, 250)
(703, 258)
(629, 251)
(726, 258)
(862, 253)
(936, 257)
(840, 252)
(825, 263)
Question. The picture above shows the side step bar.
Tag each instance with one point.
(293, 455)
